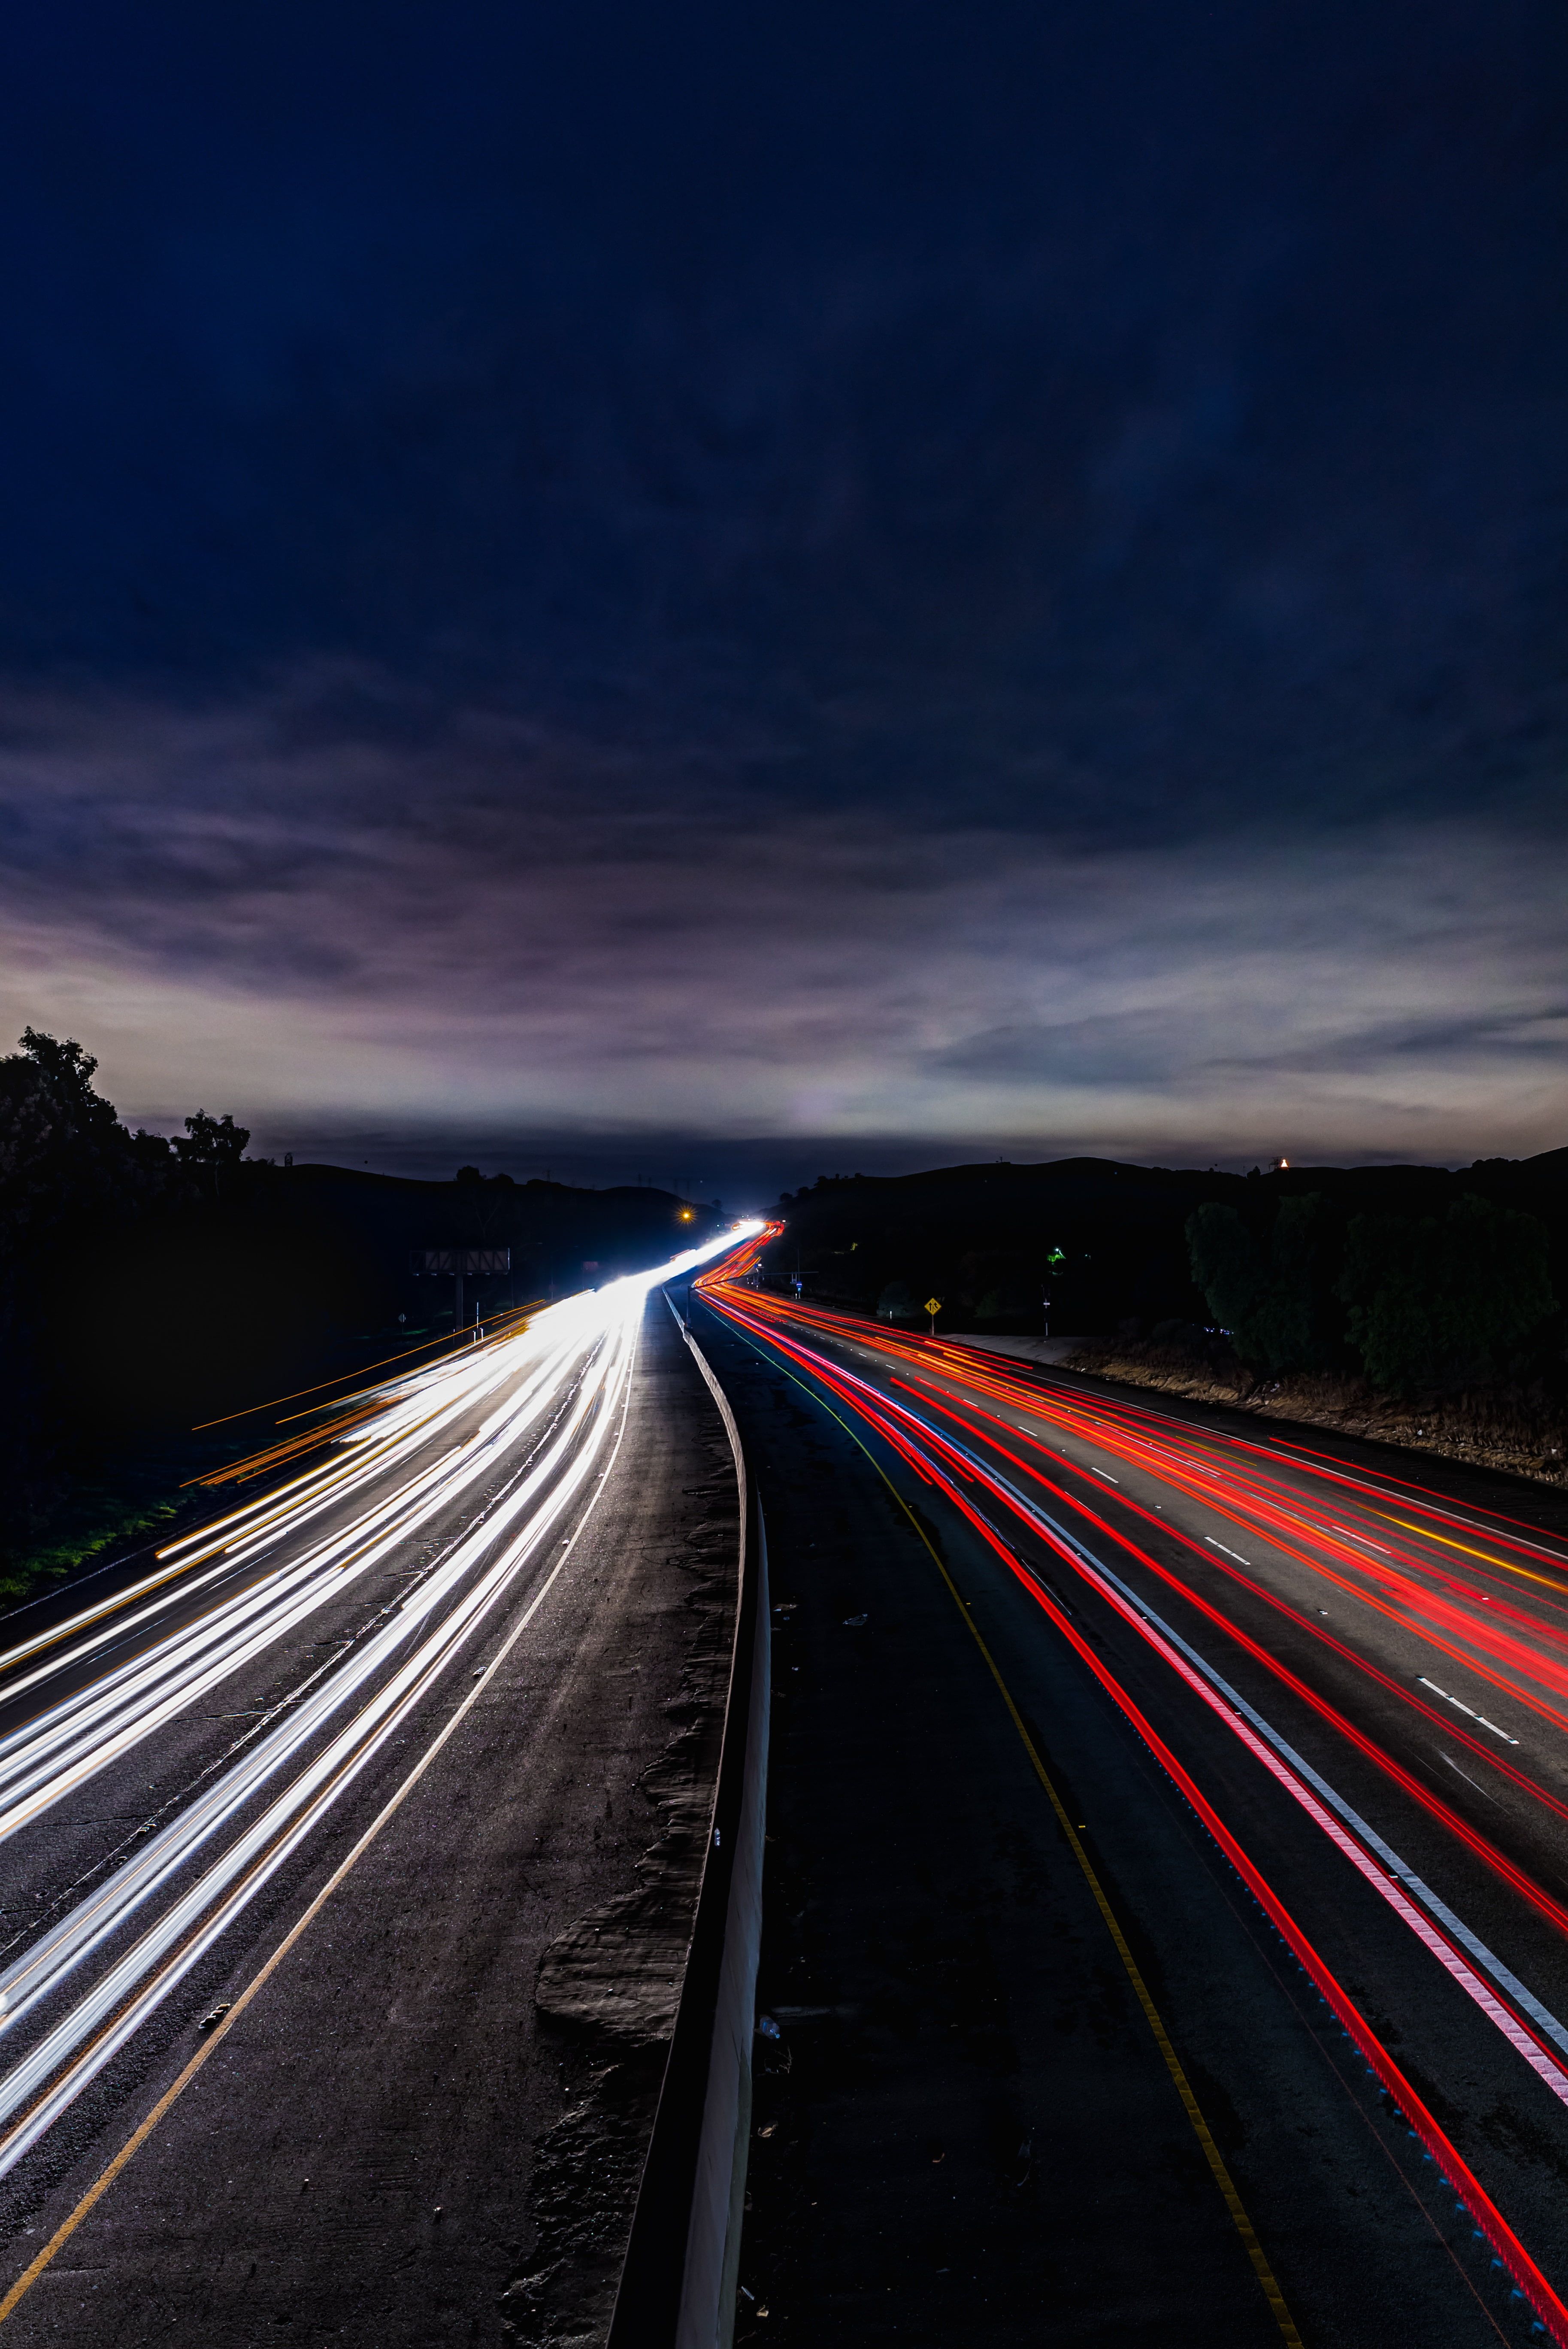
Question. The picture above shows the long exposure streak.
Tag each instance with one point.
(506, 1438)
(1000, 1443)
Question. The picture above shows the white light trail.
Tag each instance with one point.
(556, 1392)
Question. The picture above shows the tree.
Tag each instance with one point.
(212, 1141)
(68, 1173)
(214, 1144)
(68, 1069)
(81, 1200)
(1227, 1264)
(1445, 1302)
(1287, 1326)
(64, 1155)
(1269, 1302)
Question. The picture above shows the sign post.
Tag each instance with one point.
(459, 1262)
(934, 1306)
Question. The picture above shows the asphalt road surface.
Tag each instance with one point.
(1168, 1887)
(388, 1731)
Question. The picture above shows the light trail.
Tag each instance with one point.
(916, 1438)
(1520, 1651)
(1482, 1846)
(1112, 1422)
(951, 1389)
(550, 1400)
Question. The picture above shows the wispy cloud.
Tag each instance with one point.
(508, 930)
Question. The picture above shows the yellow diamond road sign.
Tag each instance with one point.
(933, 1304)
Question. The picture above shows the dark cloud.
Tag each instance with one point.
(1109, 1049)
(989, 571)
(1073, 413)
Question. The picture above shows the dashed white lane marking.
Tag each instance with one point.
(1423, 1682)
(1464, 1774)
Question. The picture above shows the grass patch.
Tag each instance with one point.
(114, 1505)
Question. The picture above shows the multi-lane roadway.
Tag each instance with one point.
(1229, 1770)
(1166, 1904)
(287, 1816)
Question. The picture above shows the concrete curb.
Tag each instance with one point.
(677, 2287)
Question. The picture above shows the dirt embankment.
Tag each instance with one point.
(609, 1986)
(1523, 1434)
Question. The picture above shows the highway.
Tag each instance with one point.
(387, 1711)
(1227, 1773)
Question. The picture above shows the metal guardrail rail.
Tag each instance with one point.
(677, 2288)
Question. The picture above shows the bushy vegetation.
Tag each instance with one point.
(1003, 1246)
(1425, 1303)
(1268, 1294)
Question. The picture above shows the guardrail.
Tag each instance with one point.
(677, 2287)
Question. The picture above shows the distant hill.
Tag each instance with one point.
(1103, 1241)
(561, 1237)
(298, 1270)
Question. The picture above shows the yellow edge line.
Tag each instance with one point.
(1200, 2129)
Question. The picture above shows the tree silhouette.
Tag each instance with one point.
(214, 1144)
(1445, 1302)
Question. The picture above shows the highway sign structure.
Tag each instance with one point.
(456, 1261)
(459, 1260)
(934, 1306)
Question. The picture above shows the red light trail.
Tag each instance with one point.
(934, 1418)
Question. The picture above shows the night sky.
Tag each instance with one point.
(746, 593)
